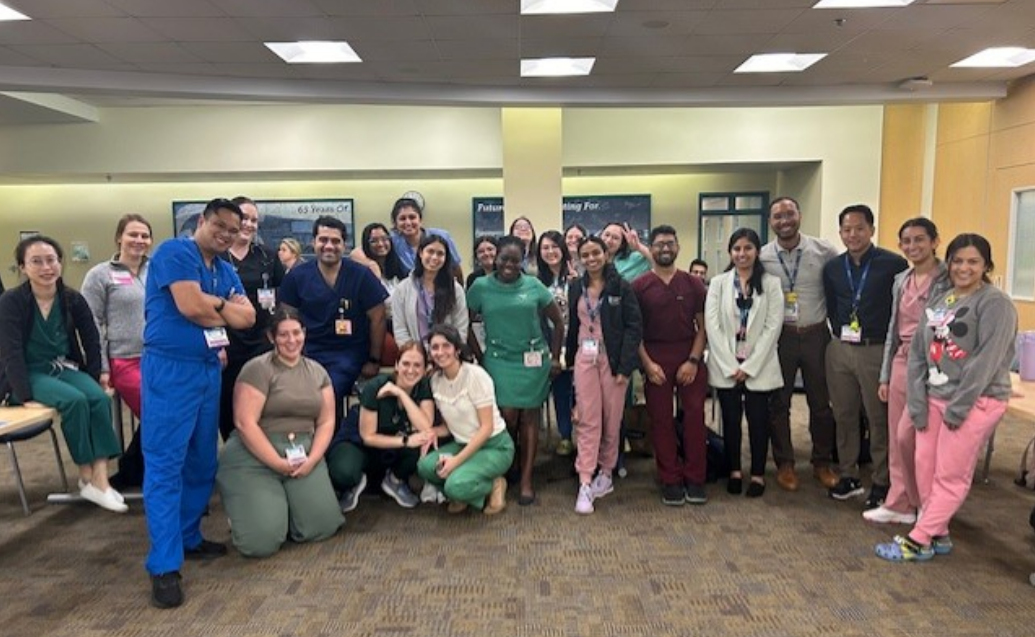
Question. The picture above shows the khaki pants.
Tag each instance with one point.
(853, 374)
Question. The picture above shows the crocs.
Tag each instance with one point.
(902, 549)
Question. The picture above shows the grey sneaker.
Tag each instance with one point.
(399, 491)
(672, 495)
(695, 494)
(601, 486)
(350, 499)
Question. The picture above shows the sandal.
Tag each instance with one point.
(903, 549)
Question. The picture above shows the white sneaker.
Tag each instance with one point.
(584, 502)
(601, 486)
(884, 515)
(103, 499)
(117, 495)
(431, 494)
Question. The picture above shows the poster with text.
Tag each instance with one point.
(591, 211)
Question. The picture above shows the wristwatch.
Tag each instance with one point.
(406, 439)
(696, 360)
(222, 304)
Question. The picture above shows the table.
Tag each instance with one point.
(23, 423)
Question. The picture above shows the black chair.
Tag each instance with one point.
(27, 433)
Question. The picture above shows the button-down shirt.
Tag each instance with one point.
(874, 307)
(808, 284)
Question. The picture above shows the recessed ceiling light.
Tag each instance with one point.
(313, 52)
(556, 67)
(7, 14)
(859, 4)
(1001, 57)
(539, 7)
(779, 62)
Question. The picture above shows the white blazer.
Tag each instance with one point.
(765, 320)
(405, 324)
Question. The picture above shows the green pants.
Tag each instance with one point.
(85, 413)
(348, 461)
(471, 482)
(264, 506)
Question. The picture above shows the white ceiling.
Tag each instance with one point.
(671, 52)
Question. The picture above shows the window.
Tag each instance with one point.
(1021, 274)
(719, 214)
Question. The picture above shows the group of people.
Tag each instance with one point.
(217, 334)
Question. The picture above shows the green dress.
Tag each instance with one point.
(512, 328)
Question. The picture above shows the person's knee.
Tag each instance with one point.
(460, 487)
(260, 540)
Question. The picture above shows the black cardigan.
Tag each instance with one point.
(16, 319)
(620, 322)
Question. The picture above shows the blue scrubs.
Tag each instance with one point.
(408, 254)
(180, 380)
(356, 291)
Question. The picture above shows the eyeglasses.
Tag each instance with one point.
(663, 244)
(39, 262)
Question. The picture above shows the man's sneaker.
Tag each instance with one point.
(584, 501)
(165, 590)
(399, 491)
(942, 544)
(601, 486)
(884, 515)
(903, 549)
(847, 488)
(694, 494)
(876, 498)
(350, 498)
(673, 495)
(205, 551)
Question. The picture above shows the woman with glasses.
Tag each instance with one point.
(50, 355)
(522, 229)
(743, 316)
(388, 268)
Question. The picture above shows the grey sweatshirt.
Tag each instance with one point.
(116, 298)
(961, 351)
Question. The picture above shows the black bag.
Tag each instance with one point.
(131, 466)
(717, 467)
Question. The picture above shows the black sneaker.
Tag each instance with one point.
(847, 488)
(695, 494)
(673, 495)
(205, 551)
(878, 493)
(166, 591)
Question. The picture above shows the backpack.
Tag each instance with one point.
(1026, 472)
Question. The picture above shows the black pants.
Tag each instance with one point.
(735, 402)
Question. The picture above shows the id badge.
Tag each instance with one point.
(851, 334)
(215, 337)
(121, 278)
(790, 307)
(533, 359)
(295, 454)
(267, 298)
(590, 348)
(67, 364)
(743, 350)
(343, 327)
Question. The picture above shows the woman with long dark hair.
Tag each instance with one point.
(484, 258)
(743, 318)
(959, 386)
(376, 242)
(555, 273)
(50, 355)
(429, 296)
(604, 333)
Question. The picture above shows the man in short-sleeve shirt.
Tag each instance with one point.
(342, 308)
(672, 305)
(192, 297)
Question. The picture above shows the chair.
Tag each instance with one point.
(20, 423)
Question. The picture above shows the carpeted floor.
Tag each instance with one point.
(786, 564)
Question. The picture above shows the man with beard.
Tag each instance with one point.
(342, 307)
(192, 297)
(672, 305)
(797, 260)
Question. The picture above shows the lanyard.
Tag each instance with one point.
(791, 276)
(744, 304)
(427, 302)
(856, 291)
(594, 312)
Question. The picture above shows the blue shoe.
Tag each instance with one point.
(942, 544)
(903, 549)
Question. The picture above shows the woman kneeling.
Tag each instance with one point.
(470, 469)
(272, 476)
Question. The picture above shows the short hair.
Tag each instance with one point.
(215, 205)
(976, 241)
(127, 219)
(662, 229)
(700, 262)
(858, 208)
(510, 240)
(405, 202)
(327, 221)
(783, 199)
(23, 246)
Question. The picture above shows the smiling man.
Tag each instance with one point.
(858, 289)
(192, 297)
(342, 307)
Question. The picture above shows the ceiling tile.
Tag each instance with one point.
(385, 28)
(376, 49)
(631, 23)
(282, 29)
(150, 52)
(199, 29)
(933, 17)
(686, 80)
(666, 5)
(34, 32)
(234, 53)
(73, 56)
(679, 45)
(166, 8)
(42, 9)
(367, 7)
(485, 26)
(267, 8)
(107, 29)
(573, 26)
(482, 48)
(562, 47)
(759, 21)
(9, 57)
(467, 7)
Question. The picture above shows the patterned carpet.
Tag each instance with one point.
(786, 564)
